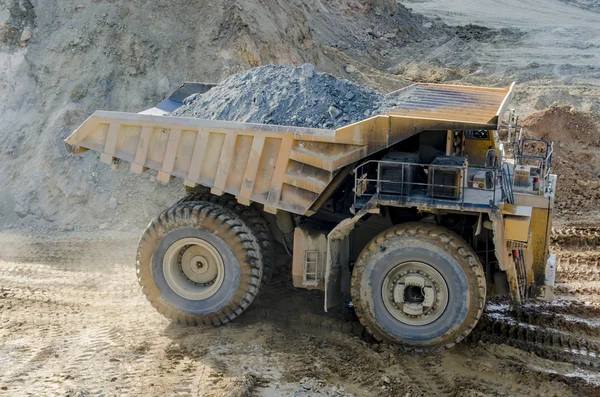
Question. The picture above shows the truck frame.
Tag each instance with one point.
(412, 217)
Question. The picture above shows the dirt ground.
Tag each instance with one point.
(74, 322)
(557, 42)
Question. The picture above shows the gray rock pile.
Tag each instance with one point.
(285, 95)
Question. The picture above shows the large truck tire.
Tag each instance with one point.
(251, 217)
(198, 263)
(420, 286)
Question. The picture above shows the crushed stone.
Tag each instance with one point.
(286, 95)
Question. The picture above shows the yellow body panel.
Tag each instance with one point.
(476, 149)
(516, 223)
(517, 228)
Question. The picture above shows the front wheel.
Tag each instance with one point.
(420, 286)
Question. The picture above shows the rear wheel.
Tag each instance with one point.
(420, 286)
(198, 263)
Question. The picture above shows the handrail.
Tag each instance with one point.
(369, 181)
(418, 165)
(507, 183)
(545, 160)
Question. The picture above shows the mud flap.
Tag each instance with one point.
(545, 292)
(504, 259)
(338, 255)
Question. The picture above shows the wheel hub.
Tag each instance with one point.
(193, 268)
(415, 293)
(198, 266)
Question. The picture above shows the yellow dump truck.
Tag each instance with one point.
(411, 217)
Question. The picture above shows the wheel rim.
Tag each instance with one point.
(193, 268)
(415, 293)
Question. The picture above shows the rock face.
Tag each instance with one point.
(287, 95)
(16, 21)
(59, 62)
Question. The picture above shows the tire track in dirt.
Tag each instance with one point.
(566, 330)
(567, 323)
(65, 291)
(528, 340)
(546, 329)
(95, 344)
(578, 258)
(429, 377)
(576, 308)
(575, 237)
(587, 292)
(78, 348)
(578, 266)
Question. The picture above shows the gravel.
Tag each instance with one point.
(285, 95)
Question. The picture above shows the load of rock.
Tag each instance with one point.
(285, 95)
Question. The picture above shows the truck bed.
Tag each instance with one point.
(282, 167)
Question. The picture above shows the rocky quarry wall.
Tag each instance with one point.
(60, 61)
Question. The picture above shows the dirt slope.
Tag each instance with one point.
(576, 160)
(59, 63)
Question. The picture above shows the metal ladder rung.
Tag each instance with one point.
(311, 277)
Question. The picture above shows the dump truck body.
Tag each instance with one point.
(436, 159)
(281, 167)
